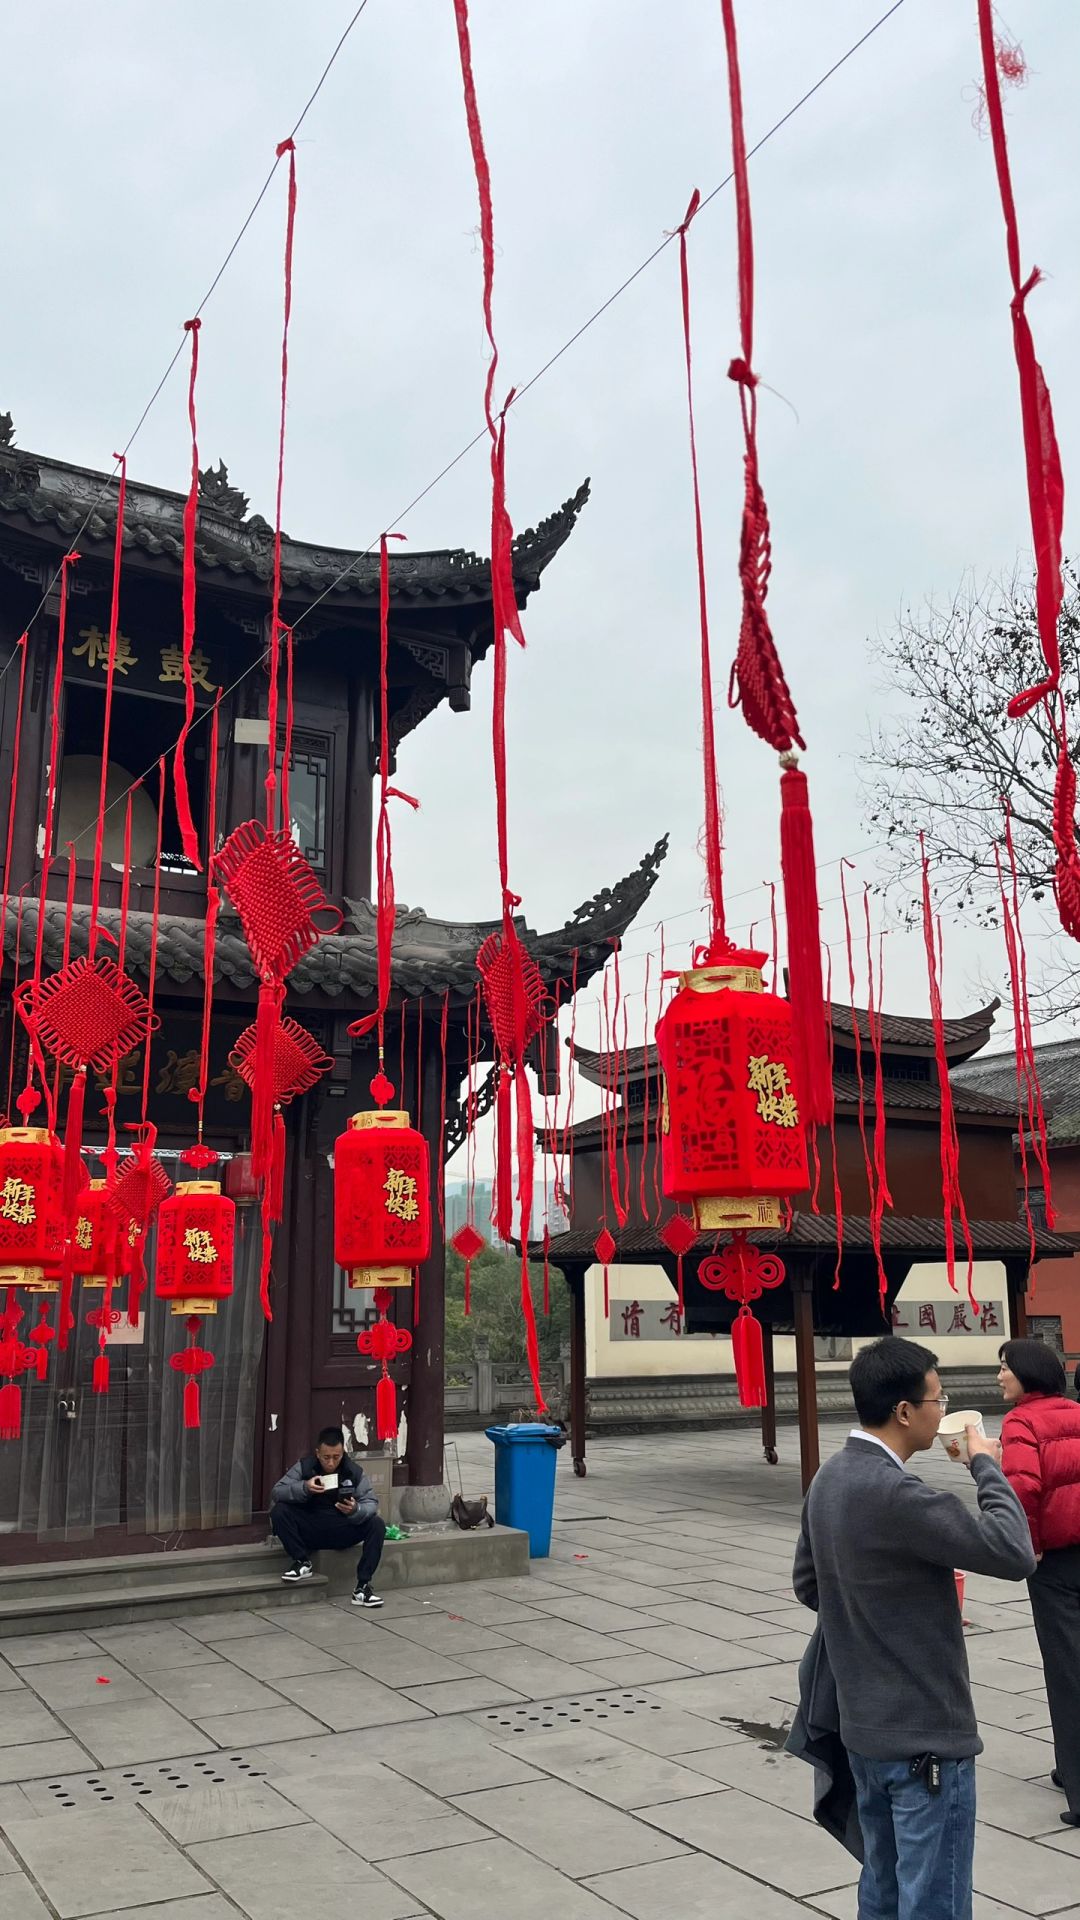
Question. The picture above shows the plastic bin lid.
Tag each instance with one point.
(523, 1430)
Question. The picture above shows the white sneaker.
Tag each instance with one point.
(363, 1597)
(300, 1570)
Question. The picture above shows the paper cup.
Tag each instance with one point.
(953, 1426)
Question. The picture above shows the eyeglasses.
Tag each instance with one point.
(932, 1400)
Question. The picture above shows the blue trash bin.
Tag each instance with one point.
(525, 1479)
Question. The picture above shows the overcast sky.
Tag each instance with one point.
(137, 138)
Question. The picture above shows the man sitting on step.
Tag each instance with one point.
(327, 1500)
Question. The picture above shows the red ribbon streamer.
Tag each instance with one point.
(22, 646)
(714, 867)
(188, 836)
(284, 146)
(110, 676)
(951, 1195)
(69, 560)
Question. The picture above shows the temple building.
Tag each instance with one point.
(116, 1469)
(834, 1292)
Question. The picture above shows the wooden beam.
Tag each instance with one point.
(575, 1280)
(1016, 1279)
(802, 1286)
(768, 1411)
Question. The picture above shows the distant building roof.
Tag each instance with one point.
(1057, 1063)
(900, 1233)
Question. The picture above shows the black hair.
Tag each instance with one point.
(885, 1373)
(1037, 1367)
(1076, 1380)
(331, 1437)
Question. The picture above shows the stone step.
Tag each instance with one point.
(70, 1607)
(179, 1567)
(48, 1596)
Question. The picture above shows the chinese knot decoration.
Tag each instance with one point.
(744, 1273)
(383, 1342)
(31, 1203)
(382, 1200)
(734, 1141)
(196, 1230)
(15, 1359)
(192, 1360)
(277, 896)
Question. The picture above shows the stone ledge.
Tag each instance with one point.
(435, 1556)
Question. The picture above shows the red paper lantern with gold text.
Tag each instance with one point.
(31, 1209)
(104, 1248)
(196, 1228)
(382, 1200)
(734, 1141)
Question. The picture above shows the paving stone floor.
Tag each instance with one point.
(600, 1738)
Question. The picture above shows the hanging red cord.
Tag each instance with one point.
(21, 643)
(440, 1182)
(880, 1197)
(69, 560)
(1036, 1109)
(188, 835)
(284, 146)
(14, 986)
(110, 676)
(856, 1033)
(714, 870)
(643, 1198)
(838, 1199)
(951, 1194)
(385, 909)
(154, 919)
(758, 683)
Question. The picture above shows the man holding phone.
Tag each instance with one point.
(327, 1500)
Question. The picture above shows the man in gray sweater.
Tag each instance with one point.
(875, 1560)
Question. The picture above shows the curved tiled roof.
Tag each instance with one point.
(900, 1233)
(429, 955)
(44, 494)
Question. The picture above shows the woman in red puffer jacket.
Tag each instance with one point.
(1040, 1457)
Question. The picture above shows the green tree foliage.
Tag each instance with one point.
(496, 1309)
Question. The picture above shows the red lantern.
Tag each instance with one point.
(734, 1140)
(382, 1200)
(15, 1359)
(196, 1229)
(102, 1250)
(31, 1209)
(240, 1182)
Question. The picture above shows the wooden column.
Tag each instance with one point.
(768, 1411)
(1016, 1279)
(575, 1280)
(426, 1409)
(802, 1286)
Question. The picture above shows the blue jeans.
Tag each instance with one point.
(918, 1845)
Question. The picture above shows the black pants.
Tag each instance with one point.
(303, 1530)
(1055, 1602)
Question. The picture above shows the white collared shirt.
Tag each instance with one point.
(860, 1433)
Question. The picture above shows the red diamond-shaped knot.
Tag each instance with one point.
(467, 1242)
(678, 1234)
(605, 1248)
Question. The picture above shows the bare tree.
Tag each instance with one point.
(948, 751)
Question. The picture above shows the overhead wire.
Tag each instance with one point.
(519, 393)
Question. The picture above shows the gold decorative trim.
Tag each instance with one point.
(368, 1277)
(376, 1117)
(728, 1211)
(720, 979)
(189, 1304)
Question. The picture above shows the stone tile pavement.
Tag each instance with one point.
(601, 1738)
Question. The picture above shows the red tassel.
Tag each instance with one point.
(277, 1169)
(10, 1411)
(504, 1181)
(386, 1420)
(749, 1351)
(74, 1171)
(191, 1404)
(804, 943)
(265, 1258)
(532, 1344)
(188, 835)
(101, 1373)
(267, 1022)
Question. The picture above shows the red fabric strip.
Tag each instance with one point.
(1031, 1073)
(714, 869)
(285, 146)
(952, 1197)
(881, 1197)
(21, 643)
(152, 969)
(440, 1176)
(213, 907)
(14, 985)
(110, 676)
(69, 560)
(188, 836)
(1046, 489)
(864, 1138)
(385, 908)
(838, 1199)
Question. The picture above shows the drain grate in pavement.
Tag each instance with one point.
(542, 1716)
(131, 1784)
